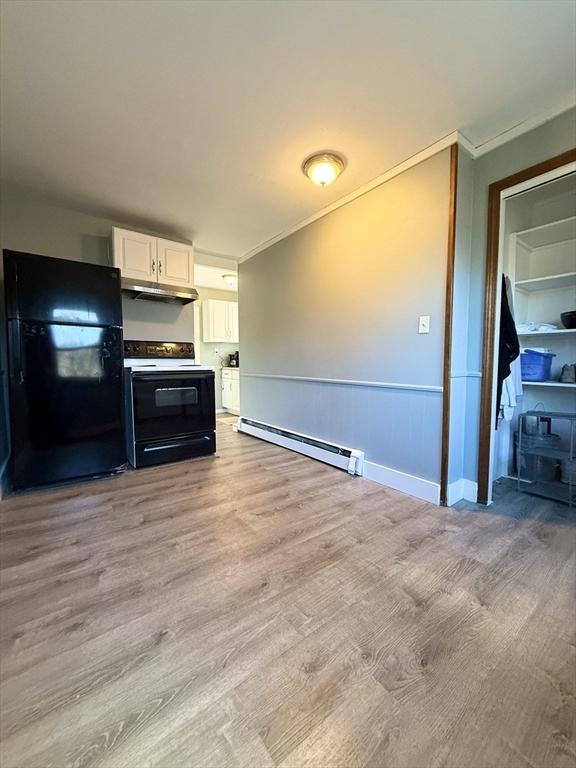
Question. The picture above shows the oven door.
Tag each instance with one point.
(173, 404)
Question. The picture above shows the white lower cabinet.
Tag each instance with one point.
(236, 395)
(231, 389)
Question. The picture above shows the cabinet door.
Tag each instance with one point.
(235, 395)
(214, 321)
(135, 254)
(232, 321)
(226, 392)
(175, 263)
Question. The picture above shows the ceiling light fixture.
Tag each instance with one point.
(323, 168)
(230, 279)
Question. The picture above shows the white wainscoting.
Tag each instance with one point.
(395, 420)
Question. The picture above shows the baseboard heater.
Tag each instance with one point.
(338, 455)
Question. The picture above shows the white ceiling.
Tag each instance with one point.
(212, 277)
(195, 116)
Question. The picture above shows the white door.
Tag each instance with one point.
(232, 321)
(135, 254)
(175, 263)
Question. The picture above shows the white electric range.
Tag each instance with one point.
(170, 404)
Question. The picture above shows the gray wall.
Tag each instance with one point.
(552, 138)
(340, 299)
(206, 351)
(31, 223)
(459, 373)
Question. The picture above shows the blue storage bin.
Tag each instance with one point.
(535, 366)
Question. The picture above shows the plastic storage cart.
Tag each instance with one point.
(562, 486)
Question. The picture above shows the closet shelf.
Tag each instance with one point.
(548, 234)
(547, 283)
(550, 453)
(551, 490)
(548, 333)
(559, 384)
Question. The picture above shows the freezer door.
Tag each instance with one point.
(61, 291)
(65, 402)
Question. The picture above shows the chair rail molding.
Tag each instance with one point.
(348, 382)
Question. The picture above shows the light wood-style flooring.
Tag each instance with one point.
(260, 609)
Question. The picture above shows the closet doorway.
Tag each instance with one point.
(532, 243)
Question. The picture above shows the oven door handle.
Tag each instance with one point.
(164, 378)
(179, 444)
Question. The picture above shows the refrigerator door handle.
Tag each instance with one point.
(17, 367)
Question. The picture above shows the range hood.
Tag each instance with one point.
(148, 291)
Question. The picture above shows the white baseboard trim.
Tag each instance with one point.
(221, 410)
(470, 490)
(401, 481)
(462, 489)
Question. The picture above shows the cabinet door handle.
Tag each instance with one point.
(159, 267)
(153, 265)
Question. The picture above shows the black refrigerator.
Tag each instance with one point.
(64, 323)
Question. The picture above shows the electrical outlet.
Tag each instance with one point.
(424, 324)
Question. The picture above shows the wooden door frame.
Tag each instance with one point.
(448, 318)
(490, 292)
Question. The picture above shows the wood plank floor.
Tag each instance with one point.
(260, 609)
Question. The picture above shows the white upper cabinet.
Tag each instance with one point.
(144, 257)
(135, 254)
(232, 321)
(220, 321)
(175, 263)
(214, 327)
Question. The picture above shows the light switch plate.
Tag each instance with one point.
(424, 324)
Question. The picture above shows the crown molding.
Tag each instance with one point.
(466, 144)
(433, 149)
(456, 137)
(524, 127)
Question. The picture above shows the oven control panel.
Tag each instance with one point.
(167, 349)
